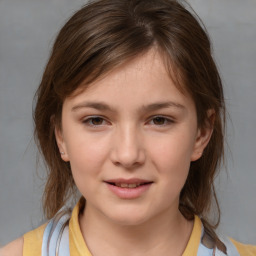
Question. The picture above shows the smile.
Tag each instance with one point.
(128, 189)
(128, 185)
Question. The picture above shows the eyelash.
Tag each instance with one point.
(167, 121)
(88, 121)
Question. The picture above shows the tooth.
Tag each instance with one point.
(132, 185)
(123, 185)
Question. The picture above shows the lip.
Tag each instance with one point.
(128, 181)
(128, 193)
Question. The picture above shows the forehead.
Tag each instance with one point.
(145, 77)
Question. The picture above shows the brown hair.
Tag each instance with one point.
(105, 34)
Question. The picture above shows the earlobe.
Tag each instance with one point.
(61, 144)
(203, 136)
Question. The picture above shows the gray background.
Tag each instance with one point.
(27, 31)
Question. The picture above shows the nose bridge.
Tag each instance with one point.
(128, 150)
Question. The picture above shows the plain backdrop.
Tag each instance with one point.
(27, 32)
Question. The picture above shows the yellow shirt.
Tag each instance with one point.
(33, 240)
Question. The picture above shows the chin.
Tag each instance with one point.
(129, 217)
(128, 221)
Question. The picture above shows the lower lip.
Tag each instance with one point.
(129, 193)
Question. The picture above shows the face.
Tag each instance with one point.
(130, 138)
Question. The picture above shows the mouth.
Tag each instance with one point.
(128, 188)
(128, 185)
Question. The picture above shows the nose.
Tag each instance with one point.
(128, 150)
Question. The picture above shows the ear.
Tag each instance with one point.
(203, 135)
(61, 144)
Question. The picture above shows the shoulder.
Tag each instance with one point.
(14, 248)
(33, 241)
(244, 249)
(30, 244)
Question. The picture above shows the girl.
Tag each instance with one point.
(130, 112)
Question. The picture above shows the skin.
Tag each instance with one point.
(134, 137)
(111, 130)
(15, 248)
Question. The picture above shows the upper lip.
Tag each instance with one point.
(128, 181)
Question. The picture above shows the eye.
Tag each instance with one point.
(94, 121)
(160, 121)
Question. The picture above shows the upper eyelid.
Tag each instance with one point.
(89, 118)
(150, 117)
(162, 116)
(167, 118)
(93, 116)
(167, 121)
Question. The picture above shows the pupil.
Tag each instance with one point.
(159, 120)
(97, 121)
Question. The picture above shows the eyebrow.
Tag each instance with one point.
(145, 108)
(160, 105)
(95, 105)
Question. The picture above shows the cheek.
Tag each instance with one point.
(86, 154)
(173, 168)
(171, 157)
(87, 159)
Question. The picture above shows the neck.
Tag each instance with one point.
(165, 234)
